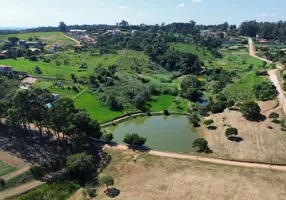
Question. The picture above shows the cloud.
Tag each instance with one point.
(197, 1)
(182, 5)
(123, 7)
(268, 14)
(141, 15)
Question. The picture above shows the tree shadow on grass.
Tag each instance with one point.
(139, 148)
(235, 139)
(260, 118)
(112, 192)
(212, 128)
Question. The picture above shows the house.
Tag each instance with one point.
(51, 50)
(109, 32)
(262, 41)
(34, 51)
(22, 42)
(133, 32)
(31, 43)
(227, 42)
(56, 96)
(78, 45)
(7, 69)
(233, 48)
(3, 53)
(116, 32)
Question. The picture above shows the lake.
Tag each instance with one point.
(165, 133)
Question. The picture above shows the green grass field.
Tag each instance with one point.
(5, 169)
(48, 69)
(49, 37)
(95, 109)
(242, 90)
(236, 62)
(66, 91)
(56, 191)
(125, 61)
(190, 48)
(162, 102)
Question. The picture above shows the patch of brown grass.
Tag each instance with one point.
(152, 177)
(259, 142)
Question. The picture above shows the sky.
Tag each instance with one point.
(34, 13)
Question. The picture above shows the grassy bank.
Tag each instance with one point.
(54, 191)
(5, 169)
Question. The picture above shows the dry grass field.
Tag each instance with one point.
(153, 178)
(259, 143)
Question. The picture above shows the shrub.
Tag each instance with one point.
(274, 115)
(195, 120)
(231, 132)
(107, 136)
(90, 191)
(134, 139)
(2, 182)
(166, 112)
(106, 180)
(75, 89)
(208, 122)
(38, 70)
(230, 104)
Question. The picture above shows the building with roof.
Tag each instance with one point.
(7, 69)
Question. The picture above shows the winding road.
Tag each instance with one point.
(272, 76)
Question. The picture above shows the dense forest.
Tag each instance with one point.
(267, 30)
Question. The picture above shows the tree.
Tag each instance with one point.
(80, 166)
(250, 110)
(63, 27)
(191, 88)
(107, 136)
(231, 132)
(106, 180)
(218, 107)
(274, 115)
(195, 120)
(201, 144)
(38, 70)
(208, 122)
(13, 39)
(264, 63)
(60, 115)
(265, 91)
(134, 139)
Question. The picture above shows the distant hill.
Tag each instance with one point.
(12, 28)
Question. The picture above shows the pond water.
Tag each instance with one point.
(165, 133)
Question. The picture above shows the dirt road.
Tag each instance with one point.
(73, 39)
(208, 160)
(272, 76)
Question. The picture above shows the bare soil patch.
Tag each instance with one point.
(259, 143)
(12, 160)
(151, 177)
